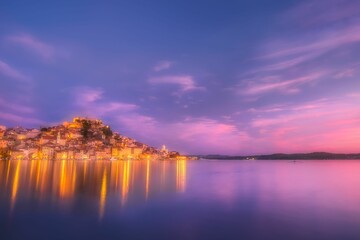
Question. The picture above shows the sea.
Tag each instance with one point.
(180, 199)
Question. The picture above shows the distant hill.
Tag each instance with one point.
(283, 156)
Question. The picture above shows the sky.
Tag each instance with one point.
(202, 77)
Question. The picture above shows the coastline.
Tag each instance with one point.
(294, 156)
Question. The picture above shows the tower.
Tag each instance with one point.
(164, 149)
(58, 138)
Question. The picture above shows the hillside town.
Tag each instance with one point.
(81, 139)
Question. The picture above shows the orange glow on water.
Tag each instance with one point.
(125, 182)
(8, 173)
(15, 185)
(147, 178)
(67, 179)
(103, 195)
(38, 165)
(180, 175)
(63, 180)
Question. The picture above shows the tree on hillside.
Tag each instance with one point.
(44, 129)
(86, 125)
(107, 131)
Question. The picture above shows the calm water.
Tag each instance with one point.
(180, 200)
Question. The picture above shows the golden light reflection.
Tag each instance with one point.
(163, 173)
(147, 178)
(62, 181)
(103, 195)
(32, 167)
(15, 185)
(180, 175)
(8, 172)
(85, 170)
(67, 179)
(38, 165)
(125, 182)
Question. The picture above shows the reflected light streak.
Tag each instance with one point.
(67, 184)
(38, 165)
(32, 166)
(44, 173)
(15, 185)
(163, 173)
(8, 172)
(125, 182)
(85, 170)
(147, 178)
(62, 179)
(103, 193)
(73, 175)
(180, 175)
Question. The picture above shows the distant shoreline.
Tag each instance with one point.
(283, 156)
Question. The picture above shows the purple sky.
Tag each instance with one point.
(203, 77)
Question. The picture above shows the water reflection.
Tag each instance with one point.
(180, 200)
(62, 181)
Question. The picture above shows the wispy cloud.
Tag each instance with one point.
(34, 45)
(17, 97)
(16, 107)
(92, 103)
(185, 82)
(15, 112)
(287, 63)
(276, 83)
(18, 119)
(323, 41)
(11, 72)
(162, 65)
(315, 13)
(346, 73)
(312, 54)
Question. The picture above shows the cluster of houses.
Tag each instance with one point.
(83, 138)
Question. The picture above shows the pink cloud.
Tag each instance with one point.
(85, 95)
(211, 134)
(324, 125)
(185, 82)
(198, 135)
(34, 45)
(162, 65)
(142, 125)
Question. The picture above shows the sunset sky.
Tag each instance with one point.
(202, 77)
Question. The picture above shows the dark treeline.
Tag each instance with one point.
(283, 156)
